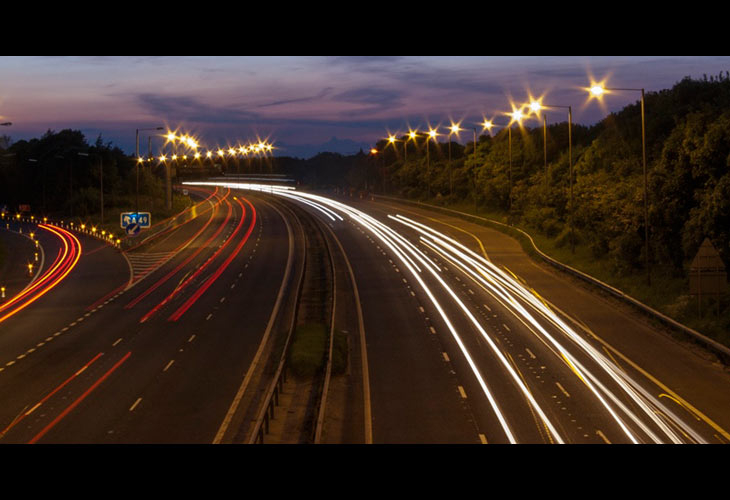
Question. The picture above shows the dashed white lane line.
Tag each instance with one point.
(488, 308)
(462, 392)
(562, 389)
(530, 353)
(191, 338)
(131, 408)
(209, 316)
(117, 341)
(446, 357)
(603, 436)
(433, 330)
(483, 438)
(168, 365)
(506, 327)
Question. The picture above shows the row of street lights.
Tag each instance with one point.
(536, 106)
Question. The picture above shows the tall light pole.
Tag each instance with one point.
(431, 135)
(412, 134)
(101, 184)
(598, 91)
(475, 171)
(136, 155)
(536, 106)
(454, 129)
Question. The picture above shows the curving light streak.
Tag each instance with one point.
(495, 282)
(66, 260)
(507, 291)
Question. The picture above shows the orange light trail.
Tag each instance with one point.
(68, 257)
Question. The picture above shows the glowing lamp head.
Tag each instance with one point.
(373, 151)
(171, 136)
(517, 115)
(432, 133)
(455, 129)
(535, 106)
(391, 139)
(597, 91)
(412, 135)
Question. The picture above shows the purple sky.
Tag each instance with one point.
(298, 101)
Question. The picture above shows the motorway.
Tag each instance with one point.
(458, 338)
(148, 349)
(464, 349)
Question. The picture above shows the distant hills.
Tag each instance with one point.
(344, 147)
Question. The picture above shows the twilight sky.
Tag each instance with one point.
(302, 102)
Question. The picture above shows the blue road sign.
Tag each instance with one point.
(143, 219)
(132, 229)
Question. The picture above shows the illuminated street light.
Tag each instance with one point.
(431, 135)
(454, 129)
(536, 106)
(597, 91)
(136, 153)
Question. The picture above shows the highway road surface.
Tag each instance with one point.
(456, 336)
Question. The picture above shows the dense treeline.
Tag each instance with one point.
(688, 165)
(688, 158)
(60, 175)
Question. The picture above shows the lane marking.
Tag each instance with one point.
(80, 398)
(483, 438)
(562, 389)
(603, 436)
(462, 392)
(168, 365)
(131, 408)
(446, 357)
(530, 353)
(117, 341)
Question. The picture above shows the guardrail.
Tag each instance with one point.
(721, 350)
(271, 398)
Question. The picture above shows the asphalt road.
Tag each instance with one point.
(466, 340)
(110, 377)
(490, 347)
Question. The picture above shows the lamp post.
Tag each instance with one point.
(431, 135)
(598, 91)
(136, 154)
(101, 184)
(536, 106)
(475, 172)
(412, 134)
(454, 129)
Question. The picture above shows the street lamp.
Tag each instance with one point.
(597, 90)
(412, 134)
(139, 160)
(431, 135)
(536, 106)
(101, 184)
(454, 129)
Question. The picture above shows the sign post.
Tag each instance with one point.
(133, 222)
(707, 275)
